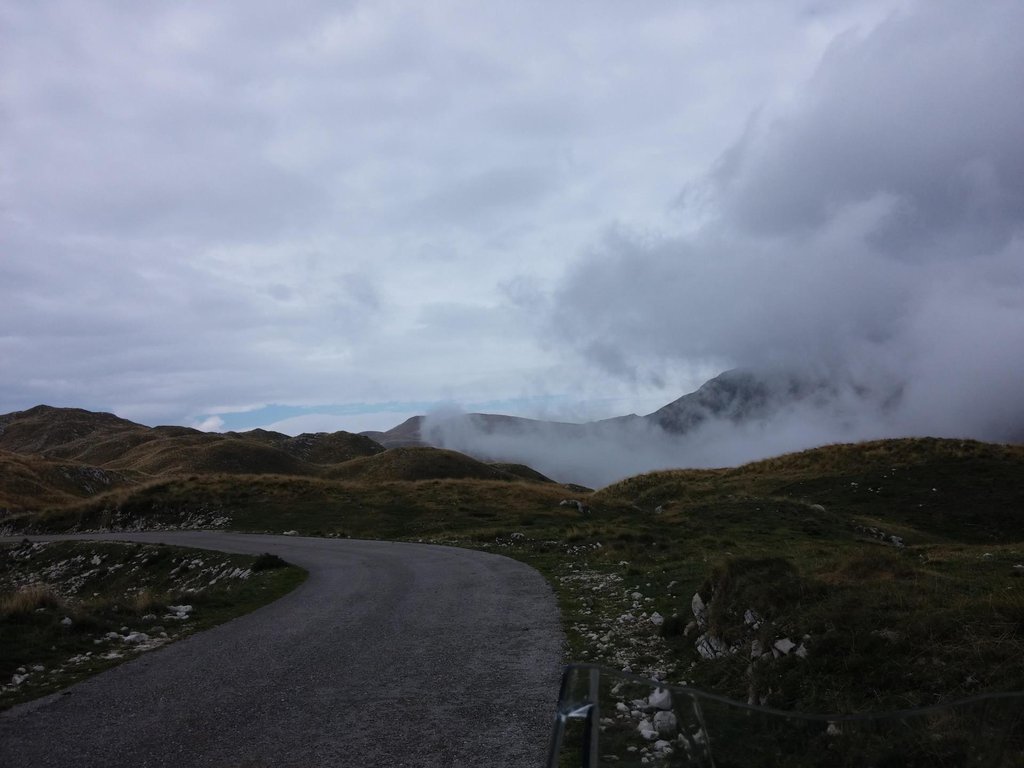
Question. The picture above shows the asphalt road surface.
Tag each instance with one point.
(388, 655)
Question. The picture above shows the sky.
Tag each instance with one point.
(339, 215)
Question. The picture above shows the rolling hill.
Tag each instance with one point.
(56, 458)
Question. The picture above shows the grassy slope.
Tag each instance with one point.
(100, 588)
(799, 540)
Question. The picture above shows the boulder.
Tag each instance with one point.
(661, 699)
(666, 724)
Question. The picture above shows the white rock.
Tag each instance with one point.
(700, 611)
(136, 638)
(19, 679)
(711, 647)
(660, 699)
(647, 730)
(620, 707)
(751, 619)
(801, 651)
(657, 619)
(666, 725)
(663, 747)
(38, 668)
(784, 646)
(66, 621)
(289, 533)
(95, 560)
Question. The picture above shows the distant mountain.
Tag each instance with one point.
(736, 395)
(410, 432)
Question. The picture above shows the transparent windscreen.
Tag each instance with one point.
(637, 723)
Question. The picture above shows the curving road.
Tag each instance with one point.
(388, 655)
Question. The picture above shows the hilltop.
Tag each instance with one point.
(53, 458)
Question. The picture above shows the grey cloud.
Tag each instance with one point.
(872, 235)
(923, 111)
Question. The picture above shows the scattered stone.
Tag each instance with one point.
(149, 618)
(784, 646)
(665, 723)
(660, 699)
(752, 619)
(289, 533)
(647, 730)
(179, 612)
(711, 647)
(136, 638)
(583, 508)
(657, 619)
(66, 621)
(700, 610)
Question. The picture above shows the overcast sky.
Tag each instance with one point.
(335, 215)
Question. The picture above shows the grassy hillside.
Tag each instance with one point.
(71, 609)
(894, 568)
(421, 463)
(846, 578)
(364, 509)
(29, 482)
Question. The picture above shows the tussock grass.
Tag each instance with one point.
(28, 600)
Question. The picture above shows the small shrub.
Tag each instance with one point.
(146, 602)
(674, 626)
(268, 562)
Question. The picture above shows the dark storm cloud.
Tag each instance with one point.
(870, 233)
(867, 239)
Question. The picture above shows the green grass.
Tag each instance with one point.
(59, 601)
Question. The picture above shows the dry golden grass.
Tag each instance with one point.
(417, 464)
(28, 600)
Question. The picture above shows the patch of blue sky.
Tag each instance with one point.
(272, 413)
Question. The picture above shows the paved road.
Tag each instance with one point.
(389, 655)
